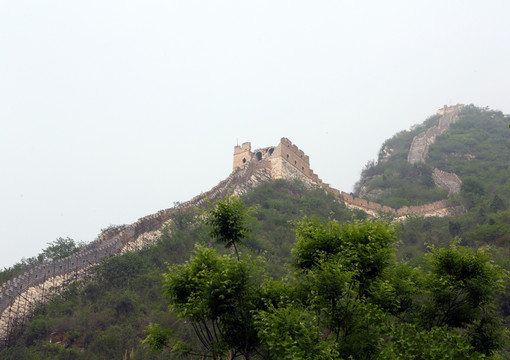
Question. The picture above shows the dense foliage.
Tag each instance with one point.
(340, 293)
(347, 298)
(106, 316)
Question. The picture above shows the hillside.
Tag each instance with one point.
(445, 178)
(39, 279)
(473, 148)
(105, 315)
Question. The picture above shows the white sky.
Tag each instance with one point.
(113, 110)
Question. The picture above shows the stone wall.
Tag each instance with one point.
(294, 156)
(421, 142)
(19, 295)
(447, 181)
(39, 284)
(431, 209)
(242, 155)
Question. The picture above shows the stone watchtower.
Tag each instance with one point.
(242, 154)
(285, 160)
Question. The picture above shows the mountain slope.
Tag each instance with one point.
(105, 315)
(43, 280)
(474, 148)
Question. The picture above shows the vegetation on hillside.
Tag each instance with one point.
(312, 279)
(346, 298)
(340, 293)
(392, 181)
(475, 148)
(107, 314)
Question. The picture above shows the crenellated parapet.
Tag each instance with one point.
(272, 155)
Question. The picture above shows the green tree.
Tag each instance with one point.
(497, 204)
(347, 297)
(460, 291)
(292, 332)
(228, 219)
(362, 296)
(363, 248)
(61, 248)
(339, 265)
(217, 295)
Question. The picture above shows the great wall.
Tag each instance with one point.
(19, 296)
(421, 143)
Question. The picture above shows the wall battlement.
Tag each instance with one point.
(285, 150)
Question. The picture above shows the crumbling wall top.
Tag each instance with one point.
(246, 146)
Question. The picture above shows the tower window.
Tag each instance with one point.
(259, 156)
(244, 160)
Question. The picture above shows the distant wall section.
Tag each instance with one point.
(287, 161)
(421, 142)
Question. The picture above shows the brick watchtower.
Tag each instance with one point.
(242, 155)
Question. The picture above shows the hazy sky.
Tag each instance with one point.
(113, 110)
